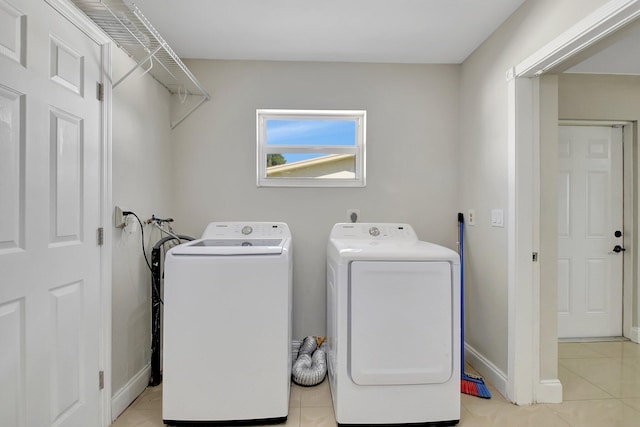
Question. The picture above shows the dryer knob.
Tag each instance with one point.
(374, 231)
(247, 230)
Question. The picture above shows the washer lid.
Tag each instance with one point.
(231, 247)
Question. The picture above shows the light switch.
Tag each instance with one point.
(497, 218)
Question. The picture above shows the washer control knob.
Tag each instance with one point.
(247, 230)
(374, 231)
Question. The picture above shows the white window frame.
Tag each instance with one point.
(357, 116)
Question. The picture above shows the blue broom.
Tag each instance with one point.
(469, 384)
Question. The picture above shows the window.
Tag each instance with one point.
(311, 148)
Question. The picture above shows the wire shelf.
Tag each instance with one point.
(133, 33)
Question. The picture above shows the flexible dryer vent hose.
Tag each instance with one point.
(311, 366)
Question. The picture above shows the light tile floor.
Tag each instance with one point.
(601, 383)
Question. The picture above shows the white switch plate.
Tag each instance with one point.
(497, 218)
(471, 217)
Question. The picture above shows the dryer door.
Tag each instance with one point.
(400, 322)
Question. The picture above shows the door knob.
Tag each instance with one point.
(618, 249)
(618, 233)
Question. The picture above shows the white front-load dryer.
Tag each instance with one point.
(227, 326)
(393, 326)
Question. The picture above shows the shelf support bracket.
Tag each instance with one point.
(156, 50)
(188, 113)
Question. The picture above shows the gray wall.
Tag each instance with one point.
(483, 161)
(141, 178)
(412, 159)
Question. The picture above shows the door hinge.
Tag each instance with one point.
(534, 257)
(101, 380)
(100, 236)
(100, 92)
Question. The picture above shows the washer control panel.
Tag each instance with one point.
(373, 231)
(255, 230)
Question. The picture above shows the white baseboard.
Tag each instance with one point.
(635, 334)
(549, 391)
(129, 392)
(486, 368)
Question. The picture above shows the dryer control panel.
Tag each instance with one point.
(374, 231)
(243, 230)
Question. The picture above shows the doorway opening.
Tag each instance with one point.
(535, 379)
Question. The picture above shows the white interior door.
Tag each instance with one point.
(49, 215)
(590, 196)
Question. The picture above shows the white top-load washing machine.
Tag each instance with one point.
(393, 326)
(227, 326)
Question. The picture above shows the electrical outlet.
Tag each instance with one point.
(353, 215)
(119, 220)
(471, 217)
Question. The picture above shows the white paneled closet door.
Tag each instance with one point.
(589, 214)
(49, 215)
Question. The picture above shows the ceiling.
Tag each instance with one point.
(388, 31)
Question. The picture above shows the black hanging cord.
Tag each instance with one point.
(156, 300)
(156, 303)
(142, 234)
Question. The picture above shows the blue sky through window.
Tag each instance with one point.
(305, 133)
